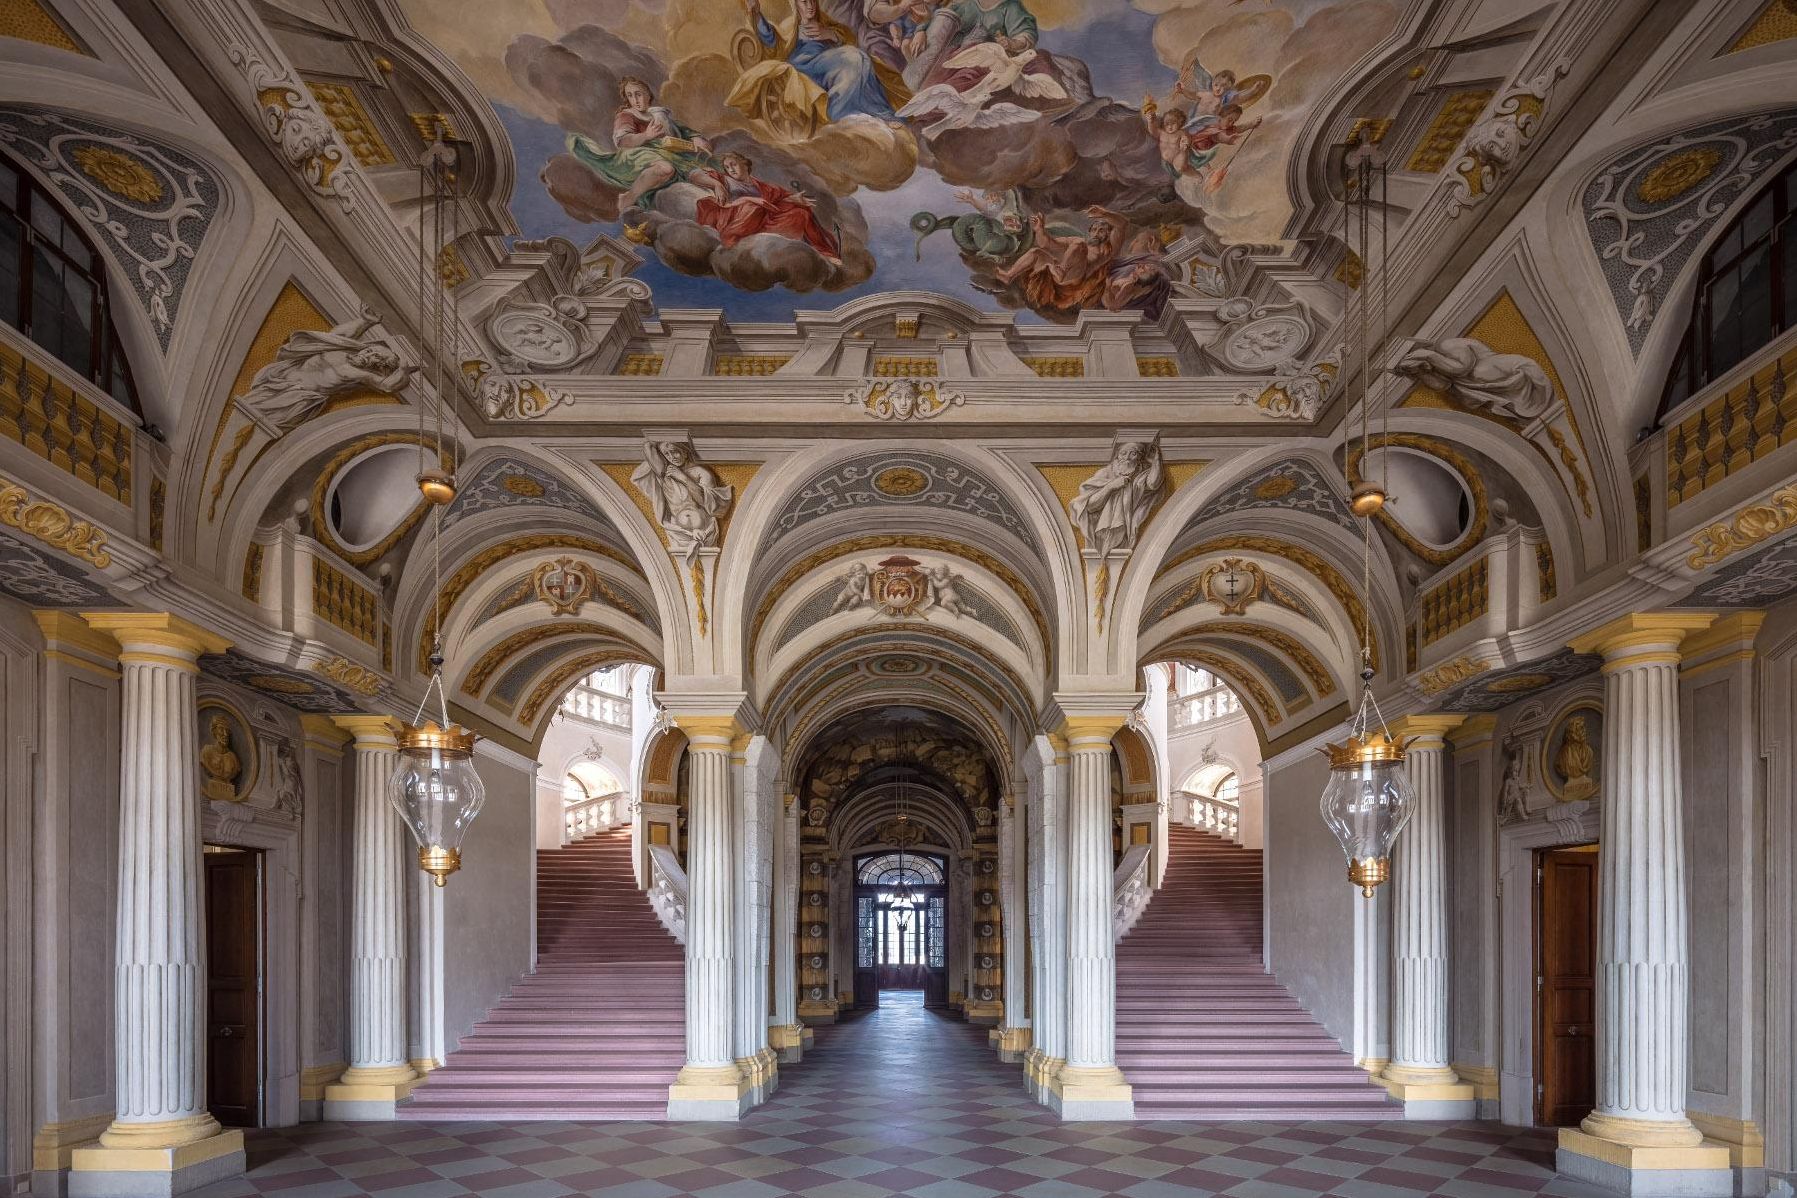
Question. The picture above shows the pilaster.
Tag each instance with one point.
(322, 1061)
(1638, 1140)
(786, 1036)
(1418, 1074)
(1475, 965)
(161, 1140)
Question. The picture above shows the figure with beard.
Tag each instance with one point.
(653, 149)
(1067, 273)
(1137, 280)
(817, 74)
(745, 205)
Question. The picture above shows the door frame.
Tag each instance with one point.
(1571, 824)
(260, 1113)
(1538, 1022)
(858, 890)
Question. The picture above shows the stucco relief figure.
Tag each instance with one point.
(1470, 371)
(1513, 794)
(312, 369)
(219, 762)
(855, 590)
(1114, 504)
(686, 497)
(288, 787)
(1575, 761)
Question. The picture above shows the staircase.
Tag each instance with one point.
(598, 1031)
(1203, 1032)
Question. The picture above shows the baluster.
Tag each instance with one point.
(1785, 397)
(1740, 427)
(34, 416)
(1715, 441)
(1763, 412)
(1692, 464)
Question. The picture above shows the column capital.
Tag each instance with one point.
(1473, 731)
(1427, 731)
(1088, 729)
(370, 731)
(709, 728)
(156, 636)
(324, 732)
(1641, 638)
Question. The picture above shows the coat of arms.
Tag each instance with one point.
(565, 585)
(898, 587)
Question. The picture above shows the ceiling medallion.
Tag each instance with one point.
(119, 173)
(1675, 174)
(564, 584)
(1518, 682)
(901, 482)
(897, 666)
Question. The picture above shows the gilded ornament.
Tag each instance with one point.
(1277, 487)
(1746, 528)
(565, 585)
(279, 684)
(52, 524)
(360, 679)
(1305, 559)
(900, 481)
(1675, 174)
(522, 484)
(1450, 673)
(120, 173)
(1517, 683)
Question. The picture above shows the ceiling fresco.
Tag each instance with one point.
(1049, 156)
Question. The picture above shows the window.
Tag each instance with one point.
(53, 285)
(588, 780)
(1213, 780)
(1189, 680)
(888, 870)
(1229, 789)
(1746, 292)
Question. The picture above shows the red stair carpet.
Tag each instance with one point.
(1203, 1032)
(598, 1031)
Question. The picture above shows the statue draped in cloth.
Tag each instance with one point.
(311, 369)
(1114, 504)
(685, 496)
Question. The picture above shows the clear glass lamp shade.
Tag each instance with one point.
(1367, 803)
(438, 794)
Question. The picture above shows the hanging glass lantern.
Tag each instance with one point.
(437, 793)
(1367, 803)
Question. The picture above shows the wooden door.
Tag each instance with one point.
(234, 986)
(1565, 985)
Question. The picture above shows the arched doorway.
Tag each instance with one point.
(901, 926)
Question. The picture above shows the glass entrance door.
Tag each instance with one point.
(901, 926)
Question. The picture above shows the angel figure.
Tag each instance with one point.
(942, 590)
(686, 496)
(1206, 95)
(311, 369)
(855, 590)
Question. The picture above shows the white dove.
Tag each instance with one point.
(961, 110)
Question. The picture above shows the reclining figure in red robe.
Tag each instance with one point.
(745, 205)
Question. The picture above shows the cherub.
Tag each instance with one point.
(1204, 140)
(1168, 128)
(1209, 94)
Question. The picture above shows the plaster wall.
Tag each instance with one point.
(1234, 742)
(1473, 975)
(1311, 908)
(489, 905)
(567, 740)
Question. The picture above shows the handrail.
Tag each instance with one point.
(1129, 890)
(667, 890)
(596, 814)
(1218, 816)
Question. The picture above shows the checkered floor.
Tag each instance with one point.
(900, 1101)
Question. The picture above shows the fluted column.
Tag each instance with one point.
(1419, 1074)
(785, 1034)
(710, 1085)
(1048, 917)
(1091, 1085)
(1643, 955)
(380, 1073)
(160, 1124)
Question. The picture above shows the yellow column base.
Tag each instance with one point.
(106, 1158)
(709, 1093)
(55, 1143)
(1094, 1092)
(786, 1035)
(1013, 1039)
(1746, 1145)
(385, 1083)
(1635, 1157)
(1641, 1133)
(165, 1133)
